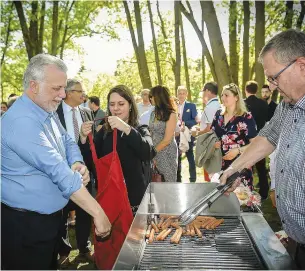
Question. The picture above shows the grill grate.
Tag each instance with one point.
(227, 247)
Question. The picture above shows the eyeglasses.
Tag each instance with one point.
(273, 79)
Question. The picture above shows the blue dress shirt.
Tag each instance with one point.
(37, 154)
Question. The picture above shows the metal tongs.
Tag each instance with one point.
(191, 213)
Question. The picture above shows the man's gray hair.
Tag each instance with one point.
(287, 46)
(71, 83)
(35, 70)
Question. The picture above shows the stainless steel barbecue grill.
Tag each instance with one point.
(243, 241)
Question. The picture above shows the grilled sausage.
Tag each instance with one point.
(217, 223)
(154, 226)
(160, 222)
(192, 230)
(208, 226)
(175, 225)
(148, 231)
(159, 237)
(151, 236)
(167, 232)
(167, 223)
(188, 231)
(198, 232)
(208, 221)
(176, 237)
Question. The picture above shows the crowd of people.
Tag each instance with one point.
(48, 169)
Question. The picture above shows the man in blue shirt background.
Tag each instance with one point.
(42, 168)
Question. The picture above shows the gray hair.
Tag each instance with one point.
(71, 83)
(35, 70)
(287, 45)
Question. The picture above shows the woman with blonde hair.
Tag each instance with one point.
(235, 128)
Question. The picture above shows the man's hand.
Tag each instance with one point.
(226, 174)
(82, 169)
(102, 224)
(231, 154)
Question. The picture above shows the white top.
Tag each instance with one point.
(143, 108)
(208, 113)
(144, 118)
(68, 118)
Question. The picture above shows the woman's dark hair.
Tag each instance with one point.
(163, 103)
(124, 92)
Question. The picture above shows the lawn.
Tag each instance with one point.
(269, 213)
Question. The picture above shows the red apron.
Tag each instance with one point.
(112, 196)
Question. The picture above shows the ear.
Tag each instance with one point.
(34, 86)
(301, 61)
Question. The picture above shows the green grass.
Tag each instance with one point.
(268, 210)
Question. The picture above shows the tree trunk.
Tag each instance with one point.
(24, 28)
(246, 54)
(259, 42)
(186, 69)
(141, 47)
(233, 41)
(8, 32)
(301, 16)
(177, 46)
(289, 15)
(41, 27)
(219, 54)
(202, 54)
(34, 27)
(54, 28)
(154, 44)
(190, 17)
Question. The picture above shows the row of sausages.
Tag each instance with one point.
(167, 223)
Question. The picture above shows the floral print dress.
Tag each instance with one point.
(236, 133)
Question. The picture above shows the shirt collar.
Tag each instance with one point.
(213, 99)
(67, 108)
(37, 110)
(301, 103)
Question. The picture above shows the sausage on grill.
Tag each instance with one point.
(151, 236)
(148, 231)
(154, 226)
(176, 237)
(198, 232)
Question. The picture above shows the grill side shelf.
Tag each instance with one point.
(226, 247)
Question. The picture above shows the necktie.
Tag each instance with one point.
(75, 125)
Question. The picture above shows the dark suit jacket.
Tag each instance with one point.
(258, 109)
(86, 115)
(189, 114)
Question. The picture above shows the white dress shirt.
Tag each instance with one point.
(67, 109)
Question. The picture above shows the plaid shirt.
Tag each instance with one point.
(287, 131)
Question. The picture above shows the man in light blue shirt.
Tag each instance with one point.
(42, 168)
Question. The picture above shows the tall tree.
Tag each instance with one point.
(54, 28)
(202, 54)
(186, 69)
(259, 42)
(289, 15)
(190, 16)
(301, 15)
(138, 47)
(233, 41)
(177, 46)
(154, 43)
(246, 53)
(220, 58)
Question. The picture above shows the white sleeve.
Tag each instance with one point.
(272, 157)
(203, 124)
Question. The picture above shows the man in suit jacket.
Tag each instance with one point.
(259, 110)
(187, 114)
(98, 113)
(72, 116)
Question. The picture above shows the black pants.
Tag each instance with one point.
(82, 228)
(29, 240)
(191, 159)
(297, 253)
(263, 178)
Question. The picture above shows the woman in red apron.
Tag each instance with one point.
(118, 151)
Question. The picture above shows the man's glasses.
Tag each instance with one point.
(79, 91)
(273, 79)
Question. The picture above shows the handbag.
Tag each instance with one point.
(156, 176)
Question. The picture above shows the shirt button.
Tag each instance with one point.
(282, 170)
(295, 120)
(287, 146)
(283, 221)
(277, 196)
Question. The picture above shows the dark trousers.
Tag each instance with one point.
(297, 253)
(190, 157)
(82, 228)
(29, 240)
(263, 178)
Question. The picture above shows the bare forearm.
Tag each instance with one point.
(162, 145)
(258, 149)
(84, 200)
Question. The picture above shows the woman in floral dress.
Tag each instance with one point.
(235, 128)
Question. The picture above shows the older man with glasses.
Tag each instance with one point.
(283, 59)
(145, 105)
